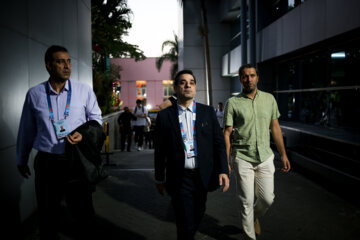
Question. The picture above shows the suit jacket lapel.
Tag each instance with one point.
(199, 118)
(174, 121)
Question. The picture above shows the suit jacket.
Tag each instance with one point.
(86, 155)
(169, 148)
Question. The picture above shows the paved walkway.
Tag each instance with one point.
(129, 207)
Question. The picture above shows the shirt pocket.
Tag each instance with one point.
(204, 128)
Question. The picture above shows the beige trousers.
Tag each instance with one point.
(254, 190)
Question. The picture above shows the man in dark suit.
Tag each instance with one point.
(190, 156)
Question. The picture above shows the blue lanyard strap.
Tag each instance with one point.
(183, 135)
(68, 100)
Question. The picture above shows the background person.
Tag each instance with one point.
(220, 115)
(140, 112)
(168, 102)
(124, 121)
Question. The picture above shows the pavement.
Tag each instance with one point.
(128, 207)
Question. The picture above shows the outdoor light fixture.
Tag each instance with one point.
(338, 55)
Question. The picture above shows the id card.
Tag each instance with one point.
(61, 128)
(190, 148)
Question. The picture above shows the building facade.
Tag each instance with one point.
(308, 55)
(141, 80)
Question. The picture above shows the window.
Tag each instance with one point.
(322, 88)
(140, 89)
(167, 88)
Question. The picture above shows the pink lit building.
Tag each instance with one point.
(142, 80)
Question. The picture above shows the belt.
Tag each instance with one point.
(53, 155)
(191, 170)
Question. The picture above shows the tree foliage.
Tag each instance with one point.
(110, 23)
(171, 55)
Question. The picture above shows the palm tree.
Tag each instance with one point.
(171, 55)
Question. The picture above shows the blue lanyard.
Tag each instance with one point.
(183, 135)
(68, 100)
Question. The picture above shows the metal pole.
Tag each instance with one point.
(243, 31)
(252, 32)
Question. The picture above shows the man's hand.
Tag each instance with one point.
(24, 170)
(286, 164)
(161, 188)
(75, 138)
(223, 178)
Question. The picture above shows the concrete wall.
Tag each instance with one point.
(309, 23)
(192, 50)
(27, 29)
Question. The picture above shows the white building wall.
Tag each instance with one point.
(27, 29)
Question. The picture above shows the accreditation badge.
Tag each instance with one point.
(61, 128)
(190, 148)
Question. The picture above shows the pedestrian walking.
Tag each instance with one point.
(190, 157)
(220, 115)
(140, 112)
(54, 116)
(251, 114)
(124, 121)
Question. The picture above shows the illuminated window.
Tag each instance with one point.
(140, 89)
(167, 88)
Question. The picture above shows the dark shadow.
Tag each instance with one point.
(140, 193)
(99, 229)
(10, 183)
(210, 227)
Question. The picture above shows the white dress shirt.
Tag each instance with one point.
(186, 117)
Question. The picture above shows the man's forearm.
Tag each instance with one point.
(227, 147)
(227, 134)
(278, 139)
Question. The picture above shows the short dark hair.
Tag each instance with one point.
(185, 71)
(51, 50)
(138, 101)
(241, 69)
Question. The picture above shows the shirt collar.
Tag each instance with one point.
(182, 108)
(66, 87)
(242, 94)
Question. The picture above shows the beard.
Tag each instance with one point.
(248, 89)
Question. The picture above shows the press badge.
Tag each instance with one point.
(61, 128)
(190, 148)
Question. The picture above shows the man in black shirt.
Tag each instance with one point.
(124, 121)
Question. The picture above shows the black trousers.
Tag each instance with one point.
(189, 204)
(57, 178)
(126, 136)
(139, 135)
(149, 139)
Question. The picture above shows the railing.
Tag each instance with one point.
(112, 140)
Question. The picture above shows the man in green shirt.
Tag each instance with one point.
(248, 118)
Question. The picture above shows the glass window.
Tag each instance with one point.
(167, 88)
(321, 89)
(140, 89)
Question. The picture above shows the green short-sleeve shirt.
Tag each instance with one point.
(251, 119)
